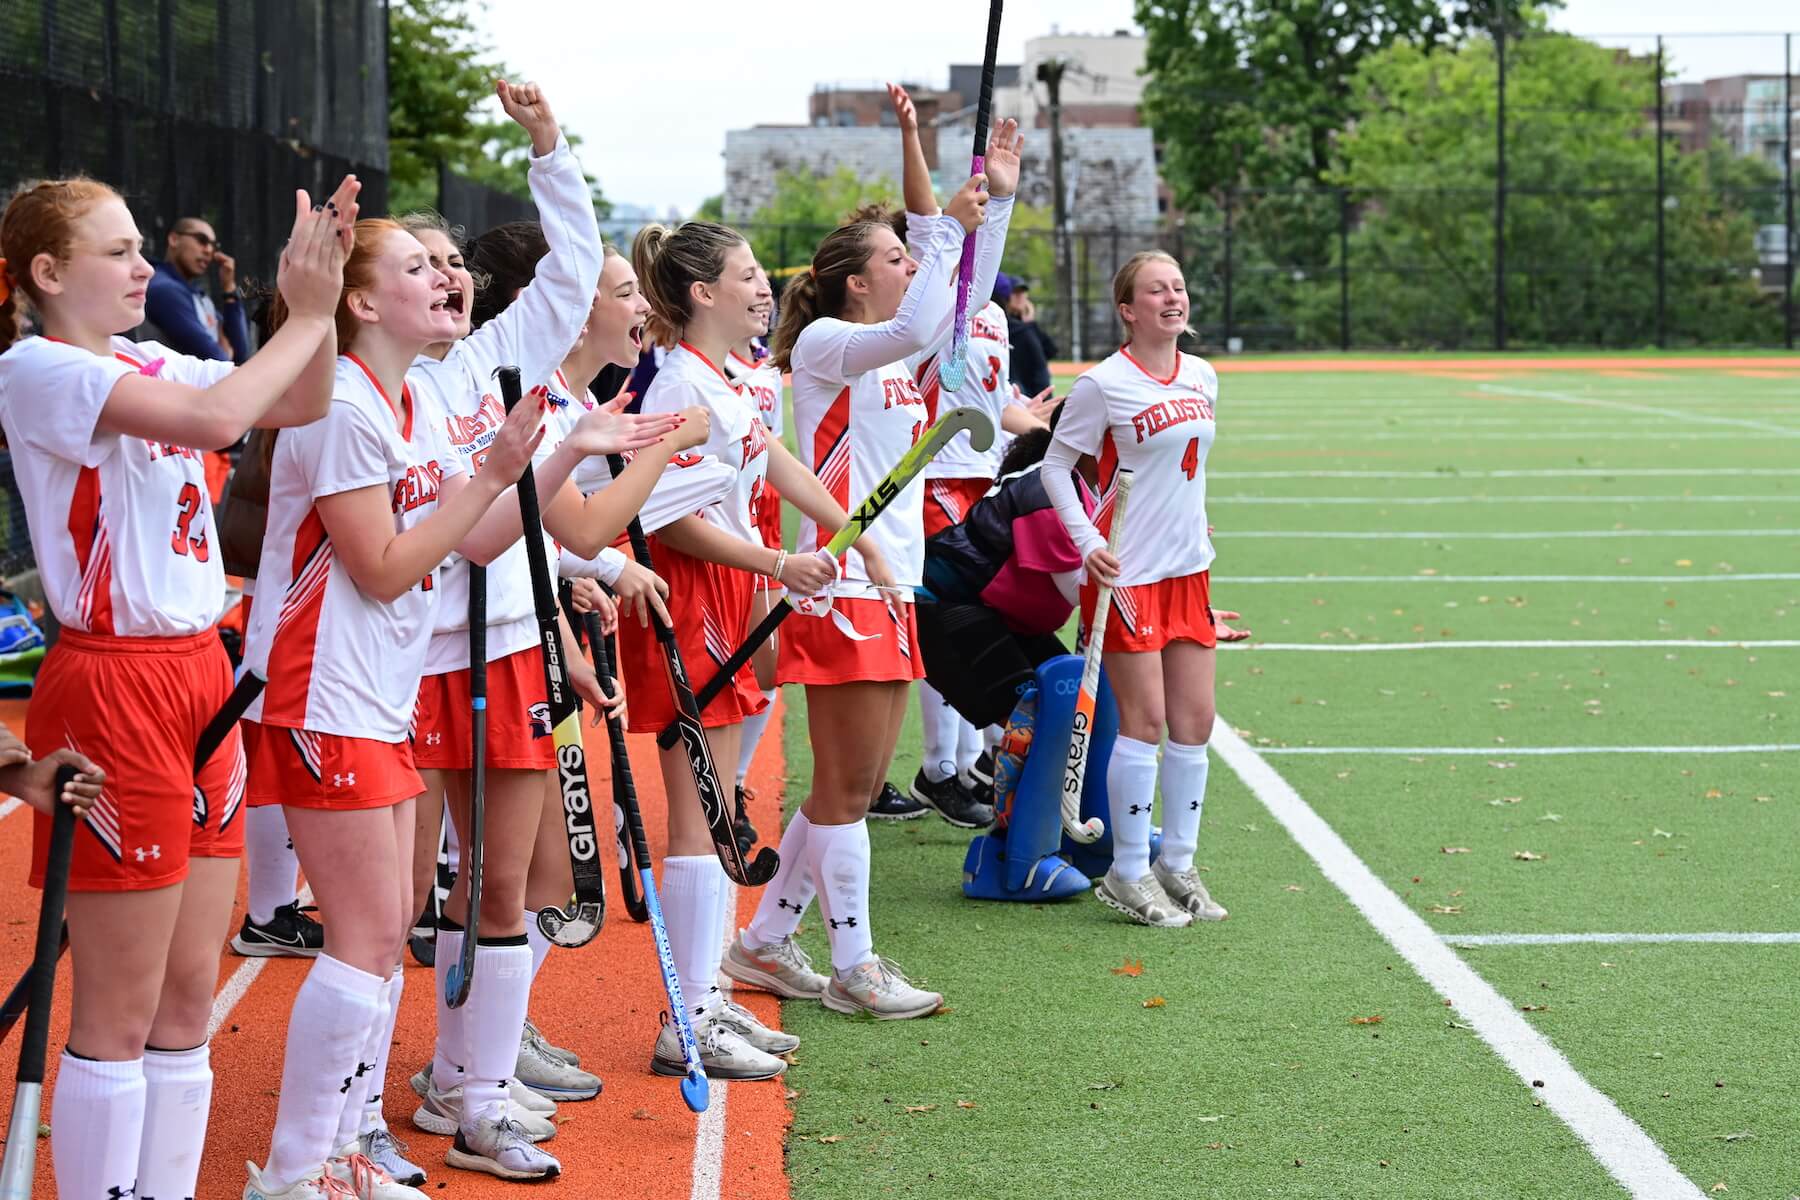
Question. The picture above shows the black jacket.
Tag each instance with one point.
(1032, 351)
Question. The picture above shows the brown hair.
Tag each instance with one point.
(359, 275)
(39, 219)
(504, 260)
(1125, 282)
(670, 261)
(823, 288)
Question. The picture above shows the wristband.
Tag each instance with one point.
(781, 557)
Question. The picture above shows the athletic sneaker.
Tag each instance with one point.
(890, 805)
(782, 968)
(441, 1113)
(389, 1153)
(952, 801)
(983, 770)
(536, 1034)
(741, 828)
(552, 1077)
(289, 933)
(743, 1022)
(1143, 901)
(1185, 889)
(366, 1180)
(724, 1054)
(500, 1148)
(523, 1098)
(317, 1186)
(879, 989)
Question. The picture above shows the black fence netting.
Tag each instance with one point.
(475, 206)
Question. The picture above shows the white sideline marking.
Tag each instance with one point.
(240, 982)
(1616, 939)
(1627, 1153)
(1547, 644)
(1746, 577)
(6, 810)
(1334, 501)
(1536, 435)
(709, 1131)
(1646, 409)
(1401, 535)
(1534, 473)
(1505, 751)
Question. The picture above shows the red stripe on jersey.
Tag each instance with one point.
(931, 386)
(831, 453)
(1107, 471)
(297, 628)
(93, 553)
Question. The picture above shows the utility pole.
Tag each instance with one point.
(1500, 178)
(1050, 74)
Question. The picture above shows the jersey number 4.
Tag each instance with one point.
(185, 540)
(1190, 458)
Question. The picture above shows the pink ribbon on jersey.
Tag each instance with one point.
(152, 368)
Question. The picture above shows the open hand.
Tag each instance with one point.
(310, 275)
(609, 429)
(1225, 632)
(642, 591)
(904, 112)
(1002, 161)
(35, 782)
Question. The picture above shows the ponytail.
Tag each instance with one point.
(822, 290)
(669, 262)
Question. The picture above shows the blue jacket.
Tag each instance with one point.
(175, 306)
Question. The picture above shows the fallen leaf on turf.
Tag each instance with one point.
(921, 1108)
(1505, 800)
(965, 1104)
(1456, 850)
(1527, 856)
(1549, 816)
(1293, 887)
(1456, 1025)
(1500, 766)
(1132, 966)
(1607, 964)
(1374, 1020)
(1106, 1085)
(1684, 562)
(1533, 1007)
(1156, 1002)
(1719, 1187)
(1448, 910)
(1208, 1120)
(828, 1139)
(644, 1114)
(1714, 794)
(1778, 695)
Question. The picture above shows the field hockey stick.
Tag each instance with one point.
(958, 420)
(951, 373)
(693, 738)
(1075, 770)
(243, 695)
(624, 787)
(461, 975)
(20, 1163)
(19, 999)
(576, 925)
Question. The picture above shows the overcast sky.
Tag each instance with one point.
(652, 87)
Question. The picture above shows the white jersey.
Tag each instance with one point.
(338, 661)
(761, 384)
(986, 387)
(122, 528)
(1161, 430)
(735, 436)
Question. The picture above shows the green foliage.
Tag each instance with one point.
(711, 209)
(806, 207)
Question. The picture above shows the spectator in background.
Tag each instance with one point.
(1032, 348)
(184, 316)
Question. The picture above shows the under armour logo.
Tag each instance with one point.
(848, 921)
(142, 855)
(345, 780)
(434, 739)
(782, 902)
(1146, 630)
(1193, 806)
(1135, 809)
(362, 1068)
(119, 1193)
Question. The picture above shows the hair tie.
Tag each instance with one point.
(811, 271)
(5, 283)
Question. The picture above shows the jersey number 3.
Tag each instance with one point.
(185, 540)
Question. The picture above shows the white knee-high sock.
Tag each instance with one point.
(494, 1017)
(452, 1049)
(939, 722)
(840, 865)
(269, 858)
(540, 945)
(96, 1123)
(968, 746)
(326, 1032)
(752, 734)
(178, 1088)
(372, 1116)
(785, 899)
(1184, 795)
(1130, 792)
(366, 1082)
(692, 888)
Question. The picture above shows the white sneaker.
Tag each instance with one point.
(1185, 889)
(500, 1148)
(364, 1179)
(523, 1097)
(535, 1034)
(880, 989)
(441, 1113)
(389, 1153)
(782, 968)
(541, 1073)
(723, 1053)
(1144, 901)
(743, 1022)
(317, 1186)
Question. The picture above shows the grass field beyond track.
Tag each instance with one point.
(1358, 509)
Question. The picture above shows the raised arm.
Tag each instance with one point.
(915, 175)
(926, 308)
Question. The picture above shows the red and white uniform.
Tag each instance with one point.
(761, 384)
(1160, 429)
(122, 529)
(961, 474)
(710, 603)
(342, 667)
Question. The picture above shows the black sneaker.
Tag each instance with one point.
(290, 933)
(983, 770)
(891, 805)
(741, 828)
(952, 801)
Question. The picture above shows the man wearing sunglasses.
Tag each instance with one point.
(184, 315)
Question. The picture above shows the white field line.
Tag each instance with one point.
(240, 982)
(709, 1131)
(1406, 535)
(1384, 501)
(1504, 751)
(1621, 939)
(1746, 577)
(1547, 644)
(1450, 434)
(1627, 1153)
(1645, 409)
(6, 809)
(1533, 473)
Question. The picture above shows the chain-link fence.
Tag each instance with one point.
(475, 206)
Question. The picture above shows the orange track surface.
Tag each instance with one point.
(637, 1139)
(1485, 368)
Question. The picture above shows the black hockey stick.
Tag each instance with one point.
(624, 788)
(20, 1163)
(461, 975)
(952, 367)
(577, 925)
(243, 695)
(693, 738)
(981, 435)
(19, 999)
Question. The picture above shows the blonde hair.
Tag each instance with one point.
(39, 219)
(670, 261)
(1125, 282)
